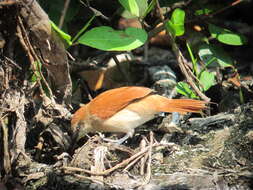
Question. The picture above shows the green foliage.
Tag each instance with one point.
(204, 11)
(176, 24)
(184, 89)
(226, 36)
(62, 34)
(142, 6)
(207, 80)
(213, 55)
(108, 39)
(84, 28)
(194, 60)
(209, 54)
(136, 8)
(149, 8)
(131, 6)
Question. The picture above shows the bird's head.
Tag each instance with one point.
(79, 124)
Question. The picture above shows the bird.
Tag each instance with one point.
(121, 110)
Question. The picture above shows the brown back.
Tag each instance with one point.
(110, 102)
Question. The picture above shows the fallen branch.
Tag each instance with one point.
(120, 165)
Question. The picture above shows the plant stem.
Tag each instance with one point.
(83, 29)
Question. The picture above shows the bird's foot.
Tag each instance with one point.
(117, 141)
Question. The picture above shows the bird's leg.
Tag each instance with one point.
(175, 119)
(121, 140)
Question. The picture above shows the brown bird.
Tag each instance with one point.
(123, 109)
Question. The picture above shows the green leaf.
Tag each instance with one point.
(226, 36)
(184, 89)
(62, 34)
(131, 6)
(126, 14)
(204, 11)
(149, 8)
(108, 39)
(143, 5)
(214, 56)
(176, 24)
(207, 80)
(131, 11)
(194, 60)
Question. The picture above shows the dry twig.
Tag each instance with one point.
(63, 13)
(7, 160)
(143, 160)
(148, 174)
(108, 171)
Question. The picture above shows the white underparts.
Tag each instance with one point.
(126, 121)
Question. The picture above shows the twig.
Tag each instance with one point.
(143, 160)
(99, 166)
(160, 28)
(132, 163)
(24, 40)
(63, 13)
(95, 11)
(12, 62)
(204, 17)
(121, 70)
(181, 61)
(108, 171)
(120, 148)
(156, 30)
(148, 175)
(225, 8)
(159, 9)
(189, 71)
(7, 160)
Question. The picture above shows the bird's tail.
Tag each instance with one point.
(181, 105)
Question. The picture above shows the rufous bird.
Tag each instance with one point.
(123, 109)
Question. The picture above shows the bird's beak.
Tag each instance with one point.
(75, 138)
(78, 133)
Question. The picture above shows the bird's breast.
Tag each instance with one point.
(125, 121)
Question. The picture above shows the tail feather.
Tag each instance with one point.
(181, 105)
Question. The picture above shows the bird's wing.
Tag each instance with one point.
(110, 102)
